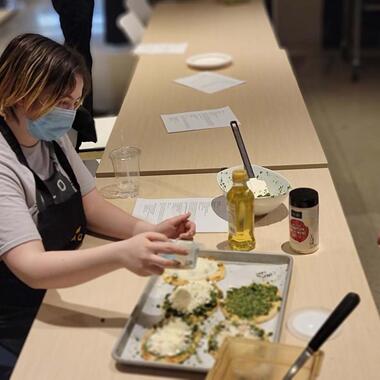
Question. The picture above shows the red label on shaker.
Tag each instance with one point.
(298, 230)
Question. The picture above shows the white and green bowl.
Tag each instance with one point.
(278, 187)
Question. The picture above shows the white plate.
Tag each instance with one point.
(304, 323)
(209, 61)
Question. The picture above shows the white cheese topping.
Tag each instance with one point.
(203, 269)
(186, 298)
(258, 187)
(171, 339)
(241, 330)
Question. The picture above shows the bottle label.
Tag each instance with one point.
(303, 229)
(298, 230)
(296, 214)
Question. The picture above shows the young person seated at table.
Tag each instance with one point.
(48, 199)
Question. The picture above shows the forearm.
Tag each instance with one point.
(114, 222)
(105, 218)
(60, 269)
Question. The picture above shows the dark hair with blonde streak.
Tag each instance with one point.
(38, 72)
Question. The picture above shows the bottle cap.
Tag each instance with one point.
(239, 175)
(303, 197)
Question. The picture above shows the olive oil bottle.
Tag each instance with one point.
(240, 204)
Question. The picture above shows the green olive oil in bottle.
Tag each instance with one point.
(240, 203)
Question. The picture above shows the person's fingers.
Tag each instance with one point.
(142, 273)
(151, 268)
(186, 236)
(190, 227)
(168, 247)
(154, 269)
(161, 262)
(176, 220)
(156, 236)
(189, 232)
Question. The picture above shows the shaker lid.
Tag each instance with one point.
(303, 197)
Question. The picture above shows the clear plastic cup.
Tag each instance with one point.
(184, 261)
(126, 165)
(249, 359)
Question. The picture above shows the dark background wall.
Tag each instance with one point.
(332, 25)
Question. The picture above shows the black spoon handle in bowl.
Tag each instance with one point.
(242, 150)
(339, 314)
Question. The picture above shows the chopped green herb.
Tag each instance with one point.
(247, 302)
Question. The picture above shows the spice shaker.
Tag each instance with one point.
(304, 220)
(188, 261)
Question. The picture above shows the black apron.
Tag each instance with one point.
(62, 225)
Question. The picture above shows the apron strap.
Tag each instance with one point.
(64, 162)
(15, 146)
(12, 142)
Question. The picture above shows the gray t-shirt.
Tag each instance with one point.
(18, 208)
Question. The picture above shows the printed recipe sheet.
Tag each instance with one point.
(192, 121)
(202, 211)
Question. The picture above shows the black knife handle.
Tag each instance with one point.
(242, 150)
(340, 313)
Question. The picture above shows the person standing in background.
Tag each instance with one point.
(76, 23)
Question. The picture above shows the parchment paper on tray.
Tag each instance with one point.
(240, 269)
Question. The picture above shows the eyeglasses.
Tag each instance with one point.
(66, 103)
(70, 105)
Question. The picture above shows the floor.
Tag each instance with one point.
(346, 116)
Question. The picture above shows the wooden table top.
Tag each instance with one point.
(275, 124)
(76, 328)
(209, 25)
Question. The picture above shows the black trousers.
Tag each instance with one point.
(13, 333)
(76, 23)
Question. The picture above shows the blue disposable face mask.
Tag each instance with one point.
(52, 125)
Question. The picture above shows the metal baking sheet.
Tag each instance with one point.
(241, 269)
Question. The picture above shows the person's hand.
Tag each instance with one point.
(139, 254)
(177, 227)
